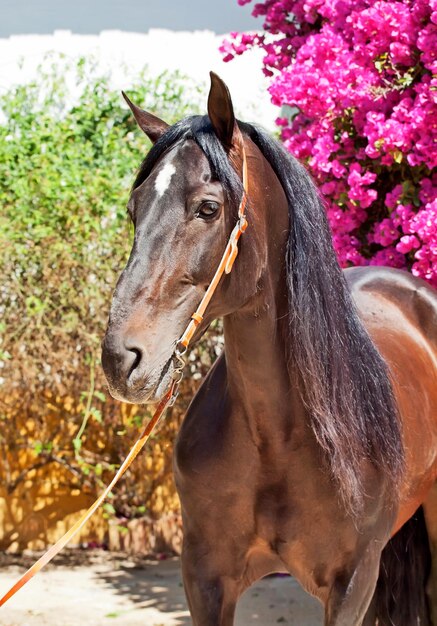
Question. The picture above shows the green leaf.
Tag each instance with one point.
(100, 395)
(108, 509)
(97, 414)
(397, 156)
(38, 447)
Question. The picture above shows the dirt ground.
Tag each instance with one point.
(104, 589)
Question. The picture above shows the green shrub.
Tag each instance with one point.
(66, 166)
(65, 172)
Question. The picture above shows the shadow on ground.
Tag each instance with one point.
(103, 589)
(273, 600)
(151, 585)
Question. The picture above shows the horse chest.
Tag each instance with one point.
(270, 484)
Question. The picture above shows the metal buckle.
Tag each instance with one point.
(178, 372)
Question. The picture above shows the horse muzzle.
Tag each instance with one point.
(132, 377)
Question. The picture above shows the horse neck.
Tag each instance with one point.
(254, 345)
(260, 384)
(257, 335)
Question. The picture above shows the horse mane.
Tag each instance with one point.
(344, 381)
(346, 384)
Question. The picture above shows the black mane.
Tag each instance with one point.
(345, 382)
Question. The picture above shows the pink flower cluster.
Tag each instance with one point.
(360, 78)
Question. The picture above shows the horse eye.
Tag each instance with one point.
(207, 209)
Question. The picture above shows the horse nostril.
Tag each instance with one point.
(135, 356)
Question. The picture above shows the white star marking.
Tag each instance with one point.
(163, 179)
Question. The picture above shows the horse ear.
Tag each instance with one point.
(221, 113)
(149, 123)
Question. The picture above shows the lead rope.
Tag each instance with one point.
(224, 267)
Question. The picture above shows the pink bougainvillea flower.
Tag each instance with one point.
(360, 76)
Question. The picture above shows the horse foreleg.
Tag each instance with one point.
(212, 585)
(351, 596)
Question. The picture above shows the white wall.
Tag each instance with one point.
(123, 54)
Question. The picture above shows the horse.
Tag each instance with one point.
(310, 447)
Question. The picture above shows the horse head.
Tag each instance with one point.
(183, 205)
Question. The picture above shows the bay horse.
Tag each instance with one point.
(310, 447)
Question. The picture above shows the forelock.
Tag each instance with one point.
(199, 129)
